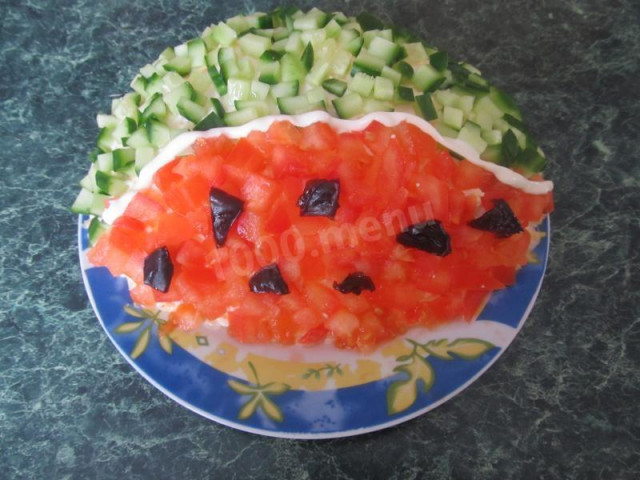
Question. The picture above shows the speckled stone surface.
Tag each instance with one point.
(562, 403)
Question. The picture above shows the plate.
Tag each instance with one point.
(311, 392)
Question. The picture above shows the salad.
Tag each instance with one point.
(311, 177)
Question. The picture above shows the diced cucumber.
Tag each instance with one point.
(259, 90)
(125, 128)
(492, 137)
(504, 102)
(405, 94)
(254, 45)
(143, 156)
(384, 49)
(139, 84)
(139, 138)
(155, 107)
(425, 106)
(482, 118)
(354, 46)
(88, 182)
(155, 84)
(201, 81)
(446, 98)
(341, 63)
(238, 89)
(240, 117)
(265, 21)
(367, 63)
(126, 106)
(182, 91)
(95, 229)
(465, 103)
(297, 105)
(391, 74)
(285, 89)
(269, 72)
(347, 34)
(313, 19)
(280, 33)
(452, 117)
(335, 86)
(444, 129)
(332, 28)
(110, 184)
(105, 139)
(181, 65)
(294, 44)
(472, 134)
(218, 80)
(439, 60)
(191, 110)
(316, 95)
(291, 68)
(307, 57)
(271, 56)
(426, 78)
(228, 63)
(245, 68)
(318, 73)
(104, 162)
(415, 53)
(217, 107)
(258, 105)
(373, 105)
(239, 24)
(362, 84)
(224, 34)
(123, 158)
(340, 18)
(159, 134)
(404, 69)
(197, 50)
(348, 106)
(383, 89)
(493, 154)
(89, 203)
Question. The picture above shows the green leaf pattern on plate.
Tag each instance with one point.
(419, 373)
(148, 325)
(259, 396)
(329, 370)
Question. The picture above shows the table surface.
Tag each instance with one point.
(561, 403)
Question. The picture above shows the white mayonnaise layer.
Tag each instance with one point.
(184, 141)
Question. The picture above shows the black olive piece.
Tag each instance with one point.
(225, 209)
(320, 198)
(268, 280)
(500, 220)
(427, 236)
(158, 269)
(355, 283)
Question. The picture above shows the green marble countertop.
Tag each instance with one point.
(562, 402)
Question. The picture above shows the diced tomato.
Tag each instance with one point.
(390, 178)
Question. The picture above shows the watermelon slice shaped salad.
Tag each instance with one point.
(308, 179)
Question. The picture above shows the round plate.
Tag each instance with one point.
(310, 392)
